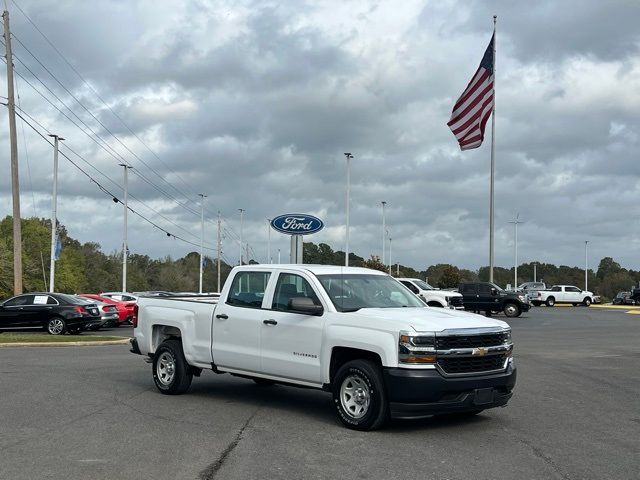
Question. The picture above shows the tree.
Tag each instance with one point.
(375, 264)
(450, 277)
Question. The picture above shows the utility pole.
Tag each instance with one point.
(586, 265)
(15, 183)
(219, 250)
(125, 247)
(54, 216)
(241, 210)
(535, 272)
(346, 249)
(384, 229)
(202, 197)
(515, 222)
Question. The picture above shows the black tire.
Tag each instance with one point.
(171, 373)
(511, 309)
(370, 409)
(263, 382)
(587, 301)
(56, 326)
(551, 301)
(434, 304)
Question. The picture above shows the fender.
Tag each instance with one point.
(376, 341)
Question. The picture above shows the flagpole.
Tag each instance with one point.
(493, 156)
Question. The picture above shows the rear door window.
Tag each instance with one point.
(469, 288)
(247, 289)
(19, 301)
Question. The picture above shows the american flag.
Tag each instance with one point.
(474, 107)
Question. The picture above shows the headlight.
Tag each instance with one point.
(522, 298)
(417, 349)
(507, 337)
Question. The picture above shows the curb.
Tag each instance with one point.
(65, 344)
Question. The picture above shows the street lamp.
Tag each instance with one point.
(586, 265)
(346, 249)
(241, 210)
(515, 222)
(384, 204)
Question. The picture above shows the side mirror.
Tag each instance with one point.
(305, 306)
(494, 291)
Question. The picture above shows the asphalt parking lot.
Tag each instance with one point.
(93, 413)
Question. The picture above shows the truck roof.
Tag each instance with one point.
(315, 269)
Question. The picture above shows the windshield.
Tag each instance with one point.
(351, 292)
(423, 285)
(496, 287)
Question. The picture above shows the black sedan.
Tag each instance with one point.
(56, 313)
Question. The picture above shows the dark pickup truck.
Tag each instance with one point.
(489, 298)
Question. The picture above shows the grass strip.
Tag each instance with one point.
(46, 338)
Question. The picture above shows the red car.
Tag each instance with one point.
(126, 311)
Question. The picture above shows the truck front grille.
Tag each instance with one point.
(455, 302)
(461, 365)
(452, 342)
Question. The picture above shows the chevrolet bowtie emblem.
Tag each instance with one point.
(479, 352)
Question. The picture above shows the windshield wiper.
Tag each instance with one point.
(347, 310)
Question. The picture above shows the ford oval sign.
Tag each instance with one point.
(297, 224)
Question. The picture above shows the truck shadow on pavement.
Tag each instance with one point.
(310, 403)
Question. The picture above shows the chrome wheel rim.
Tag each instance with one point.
(551, 302)
(355, 396)
(56, 326)
(510, 310)
(165, 368)
(587, 302)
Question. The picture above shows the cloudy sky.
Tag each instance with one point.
(254, 102)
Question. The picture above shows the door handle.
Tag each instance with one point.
(222, 316)
(270, 322)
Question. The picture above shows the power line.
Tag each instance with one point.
(105, 190)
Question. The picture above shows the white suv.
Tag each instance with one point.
(432, 296)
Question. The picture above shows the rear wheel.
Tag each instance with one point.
(56, 326)
(171, 373)
(550, 302)
(359, 396)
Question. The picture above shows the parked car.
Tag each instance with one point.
(56, 313)
(126, 309)
(490, 298)
(108, 313)
(564, 294)
(121, 296)
(354, 332)
(432, 296)
(531, 289)
(623, 298)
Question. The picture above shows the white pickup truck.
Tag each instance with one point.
(432, 296)
(354, 332)
(563, 294)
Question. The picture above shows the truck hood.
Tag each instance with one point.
(427, 319)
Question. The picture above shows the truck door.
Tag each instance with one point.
(573, 295)
(236, 323)
(291, 342)
(469, 293)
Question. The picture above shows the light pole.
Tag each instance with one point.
(125, 247)
(269, 260)
(586, 265)
(346, 249)
(54, 221)
(241, 210)
(384, 228)
(515, 222)
(390, 254)
(279, 262)
(202, 197)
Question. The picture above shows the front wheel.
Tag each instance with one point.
(56, 326)
(511, 310)
(359, 396)
(586, 302)
(171, 373)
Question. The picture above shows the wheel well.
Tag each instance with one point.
(551, 297)
(342, 355)
(160, 333)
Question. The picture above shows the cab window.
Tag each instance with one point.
(556, 289)
(291, 286)
(247, 289)
(484, 289)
